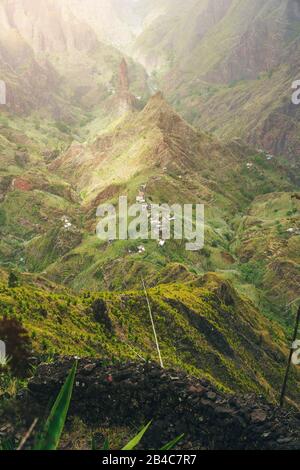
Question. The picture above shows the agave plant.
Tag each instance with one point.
(137, 439)
(49, 437)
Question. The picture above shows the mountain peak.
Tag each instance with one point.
(158, 101)
(158, 96)
(160, 113)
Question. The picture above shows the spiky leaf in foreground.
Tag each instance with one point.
(50, 436)
(172, 443)
(136, 440)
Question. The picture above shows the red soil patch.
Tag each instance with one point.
(21, 184)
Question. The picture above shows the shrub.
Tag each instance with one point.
(253, 272)
(206, 252)
(101, 315)
(13, 280)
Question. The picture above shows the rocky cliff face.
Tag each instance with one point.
(229, 59)
(52, 58)
(30, 32)
(255, 51)
(48, 25)
(30, 84)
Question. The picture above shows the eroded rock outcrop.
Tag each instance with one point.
(126, 101)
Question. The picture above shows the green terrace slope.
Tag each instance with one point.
(32, 200)
(268, 244)
(203, 326)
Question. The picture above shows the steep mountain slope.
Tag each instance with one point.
(78, 131)
(156, 153)
(268, 244)
(113, 21)
(263, 111)
(203, 327)
(229, 66)
(157, 140)
(29, 84)
(59, 59)
(226, 65)
(173, 30)
(32, 200)
(222, 40)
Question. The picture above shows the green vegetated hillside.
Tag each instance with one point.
(49, 204)
(32, 199)
(203, 327)
(79, 139)
(267, 243)
(173, 163)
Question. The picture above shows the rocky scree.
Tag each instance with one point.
(131, 394)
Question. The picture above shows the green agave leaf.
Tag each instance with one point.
(50, 436)
(136, 440)
(106, 445)
(173, 443)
